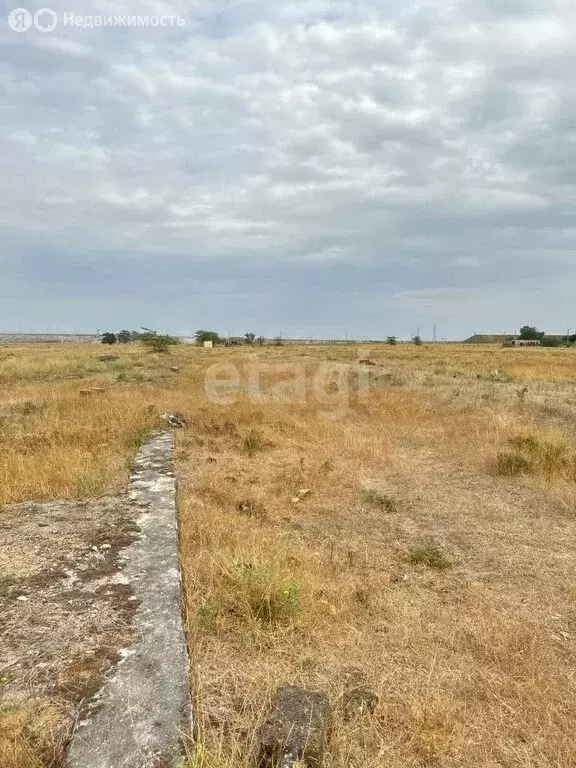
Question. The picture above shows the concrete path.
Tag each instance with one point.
(141, 713)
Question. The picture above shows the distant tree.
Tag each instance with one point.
(551, 341)
(572, 339)
(234, 341)
(417, 340)
(109, 338)
(249, 338)
(157, 342)
(391, 340)
(202, 336)
(278, 341)
(261, 340)
(530, 333)
(125, 337)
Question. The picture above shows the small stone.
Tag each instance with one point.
(174, 368)
(296, 729)
(175, 419)
(22, 598)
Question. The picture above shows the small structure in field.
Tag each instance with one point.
(208, 344)
(526, 343)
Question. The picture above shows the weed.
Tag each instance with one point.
(554, 458)
(89, 483)
(379, 499)
(138, 438)
(260, 592)
(204, 757)
(535, 456)
(7, 587)
(255, 442)
(132, 376)
(500, 377)
(429, 554)
(206, 616)
(30, 407)
(252, 508)
(510, 464)
(524, 443)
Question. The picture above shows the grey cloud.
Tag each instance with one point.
(293, 165)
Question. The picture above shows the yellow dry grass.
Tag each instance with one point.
(420, 555)
(30, 737)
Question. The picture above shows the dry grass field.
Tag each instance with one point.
(413, 520)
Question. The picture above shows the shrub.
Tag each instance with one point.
(158, 342)
(125, 337)
(551, 341)
(202, 336)
(109, 338)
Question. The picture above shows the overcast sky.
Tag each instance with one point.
(311, 167)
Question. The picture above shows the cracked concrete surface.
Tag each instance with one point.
(140, 715)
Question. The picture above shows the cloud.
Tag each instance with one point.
(331, 156)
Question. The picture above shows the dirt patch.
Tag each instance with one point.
(65, 616)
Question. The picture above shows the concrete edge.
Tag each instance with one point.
(140, 716)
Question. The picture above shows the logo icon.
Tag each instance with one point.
(20, 20)
(45, 20)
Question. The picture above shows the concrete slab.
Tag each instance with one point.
(138, 718)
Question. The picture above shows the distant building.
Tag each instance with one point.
(527, 343)
(490, 338)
